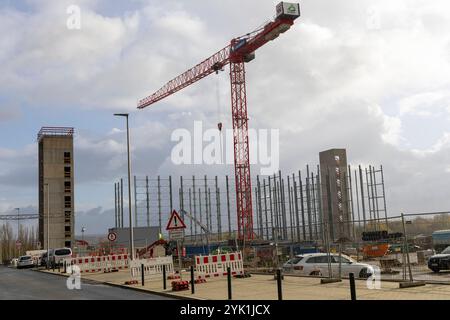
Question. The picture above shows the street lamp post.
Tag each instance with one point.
(48, 224)
(83, 229)
(126, 115)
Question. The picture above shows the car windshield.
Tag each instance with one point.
(446, 251)
(62, 252)
(295, 260)
(25, 258)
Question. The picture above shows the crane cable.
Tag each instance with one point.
(219, 115)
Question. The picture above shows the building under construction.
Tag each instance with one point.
(56, 187)
(292, 208)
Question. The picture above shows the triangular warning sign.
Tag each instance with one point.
(175, 222)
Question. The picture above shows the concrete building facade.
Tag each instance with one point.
(56, 187)
(335, 193)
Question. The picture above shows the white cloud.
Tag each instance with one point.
(346, 75)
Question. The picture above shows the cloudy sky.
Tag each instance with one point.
(371, 76)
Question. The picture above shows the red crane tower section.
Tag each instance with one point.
(240, 51)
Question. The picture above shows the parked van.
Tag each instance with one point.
(441, 239)
(57, 256)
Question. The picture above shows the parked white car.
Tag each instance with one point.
(317, 264)
(57, 256)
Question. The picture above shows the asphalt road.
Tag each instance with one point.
(27, 284)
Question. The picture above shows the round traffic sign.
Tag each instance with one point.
(112, 236)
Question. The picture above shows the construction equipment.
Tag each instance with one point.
(241, 50)
(15, 217)
(205, 229)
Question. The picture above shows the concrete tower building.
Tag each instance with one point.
(56, 187)
(334, 163)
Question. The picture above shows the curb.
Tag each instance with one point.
(435, 282)
(163, 294)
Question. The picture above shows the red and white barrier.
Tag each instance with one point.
(216, 265)
(152, 267)
(99, 263)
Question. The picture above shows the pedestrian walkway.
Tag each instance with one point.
(264, 287)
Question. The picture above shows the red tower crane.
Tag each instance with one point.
(240, 51)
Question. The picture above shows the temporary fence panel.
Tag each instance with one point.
(152, 267)
(216, 265)
(99, 263)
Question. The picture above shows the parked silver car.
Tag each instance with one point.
(317, 264)
(25, 262)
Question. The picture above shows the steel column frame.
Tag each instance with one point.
(206, 204)
(115, 204)
(368, 196)
(256, 211)
(290, 208)
(159, 204)
(375, 187)
(121, 203)
(228, 207)
(200, 212)
(195, 208)
(357, 199)
(190, 210)
(351, 197)
(361, 184)
(241, 149)
(373, 198)
(297, 222)
(147, 192)
(384, 198)
(135, 202)
(314, 207)
(271, 210)
(276, 206)
(308, 203)
(260, 226)
(219, 215)
(209, 208)
(265, 209)
(319, 199)
(171, 197)
(302, 205)
(283, 206)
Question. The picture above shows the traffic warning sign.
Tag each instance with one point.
(175, 222)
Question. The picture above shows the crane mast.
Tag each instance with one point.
(241, 50)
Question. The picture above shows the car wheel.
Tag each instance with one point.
(436, 270)
(364, 274)
(316, 273)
